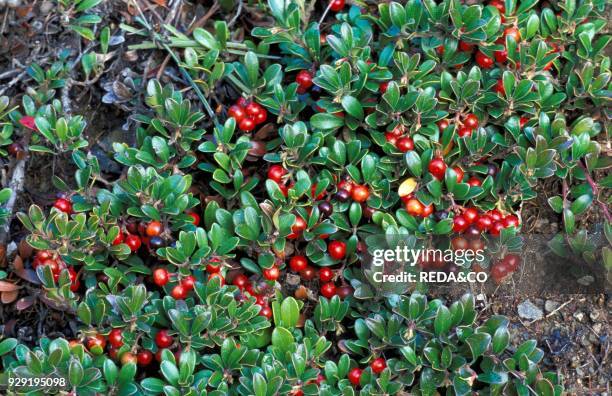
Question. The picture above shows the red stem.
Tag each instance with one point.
(595, 188)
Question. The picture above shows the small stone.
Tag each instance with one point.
(551, 305)
(594, 315)
(528, 310)
(579, 316)
(597, 328)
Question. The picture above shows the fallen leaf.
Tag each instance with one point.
(25, 303)
(25, 250)
(8, 286)
(28, 274)
(8, 296)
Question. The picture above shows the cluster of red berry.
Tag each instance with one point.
(56, 264)
(377, 366)
(258, 292)
(467, 126)
(397, 138)
(328, 289)
(97, 343)
(472, 222)
(247, 114)
(349, 189)
(504, 267)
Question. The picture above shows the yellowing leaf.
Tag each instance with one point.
(407, 187)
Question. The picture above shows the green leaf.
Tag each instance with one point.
(8, 345)
(443, 321)
(325, 121)
(353, 107)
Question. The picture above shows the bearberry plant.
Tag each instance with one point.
(228, 254)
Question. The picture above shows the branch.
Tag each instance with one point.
(16, 186)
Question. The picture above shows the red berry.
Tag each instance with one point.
(427, 210)
(437, 167)
(459, 243)
(247, 124)
(498, 272)
(405, 144)
(459, 223)
(470, 215)
(252, 109)
(440, 50)
(115, 338)
(163, 339)
(118, 239)
(496, 228)
(512, 261)
(328, 290)
(276, 173)
(271, 273)
(459, 173)
(495, 215)
(96, 344)
(523, 121)
(465, 47)
(471, 121)
(484, 61)
(14, 149)
(304, 79)
(154, 228)
(382, 87)
(442, 125)
(499, 4)
(391, 138)
(511, 221)
(298, 263)
(161, 277)
(501, 56)
(378, 365)
(514, 33)
(261, 117)
(336, 249)
(336, 5)
(240, 281)
(354, 376)
(346, 185)
(297, 228)
(499, 87)
(212, 268)
(360, 193)
(326, 274)
(465, 131)
(195, 217)
(484, 222)
(144, 358)
(188, 282)
(63, 205)
(308, 273)
(75, 284)
(266, 312)
(179, 292)
(133, 242)
(414, 207)
(237, 113)
(474, 181)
